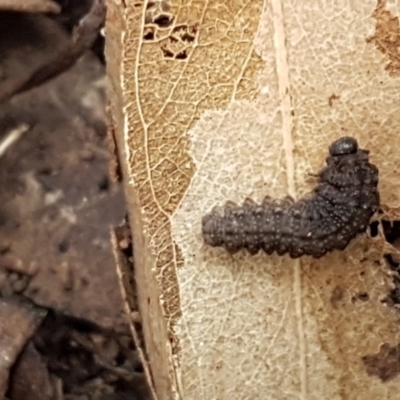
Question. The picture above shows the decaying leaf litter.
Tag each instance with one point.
(64, 335)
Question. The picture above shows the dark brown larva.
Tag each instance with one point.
(337, 210)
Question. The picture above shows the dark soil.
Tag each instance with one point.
(58, 206)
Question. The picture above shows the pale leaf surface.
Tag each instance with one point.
(242, 98)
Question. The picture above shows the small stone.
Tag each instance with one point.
(135, 317)
(12, 263)
(5, 245)
(86, 155)
(20, 285)
(66, 275)
(13, 277)
(124, 243)
(33, 268)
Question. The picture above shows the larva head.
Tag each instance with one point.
(343, 146)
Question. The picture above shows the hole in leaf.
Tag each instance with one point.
(182, 55)
(391, 230)
(163, 20)
(373, 226)
(149, 35)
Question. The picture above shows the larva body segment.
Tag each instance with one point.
(335, 212)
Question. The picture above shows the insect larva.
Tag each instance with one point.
(335, 212)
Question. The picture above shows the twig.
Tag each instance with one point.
(12, 137)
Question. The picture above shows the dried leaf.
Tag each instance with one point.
(224, 100)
